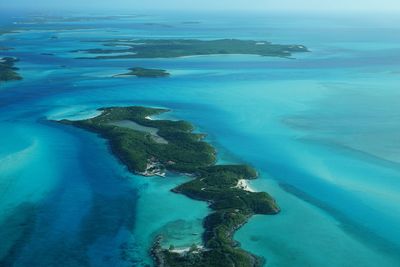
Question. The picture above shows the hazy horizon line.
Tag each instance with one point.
(203, 10)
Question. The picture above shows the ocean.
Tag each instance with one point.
(322, 128)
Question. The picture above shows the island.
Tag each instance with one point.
(6, 31)
(8, 72)
(5, 48)
(46, 19)
(145, 73)
(172, 48)
(149, 146)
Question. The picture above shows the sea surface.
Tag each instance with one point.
(322, 128)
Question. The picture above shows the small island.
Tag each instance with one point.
(47, 54)
(152, 147)
(8, 72)
(172, 48)
(145, 73)
(5, 48)
(40, 19)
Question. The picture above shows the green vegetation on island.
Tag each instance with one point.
(171, 48)
(145, 73)
(186, 152)
(232, 207)
(8, 72)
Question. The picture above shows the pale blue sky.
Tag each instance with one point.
(327, 5)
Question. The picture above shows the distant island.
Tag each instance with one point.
(8, 72)
(47, 54)
(172, 48)
(145, 73)
(39, 19)
(4, 48)
(152, 147)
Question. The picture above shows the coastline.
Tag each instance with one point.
(179, 48)
(224, 187)
(220, 94)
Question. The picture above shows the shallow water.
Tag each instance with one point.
(137, 127)
(322, 129)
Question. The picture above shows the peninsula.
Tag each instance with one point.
(152, 147)
(172, 48)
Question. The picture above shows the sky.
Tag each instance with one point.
(300, 5)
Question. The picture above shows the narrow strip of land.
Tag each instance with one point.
(172, 48)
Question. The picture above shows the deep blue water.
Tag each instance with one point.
(322, 129)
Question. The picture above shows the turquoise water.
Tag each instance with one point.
(322, 129)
